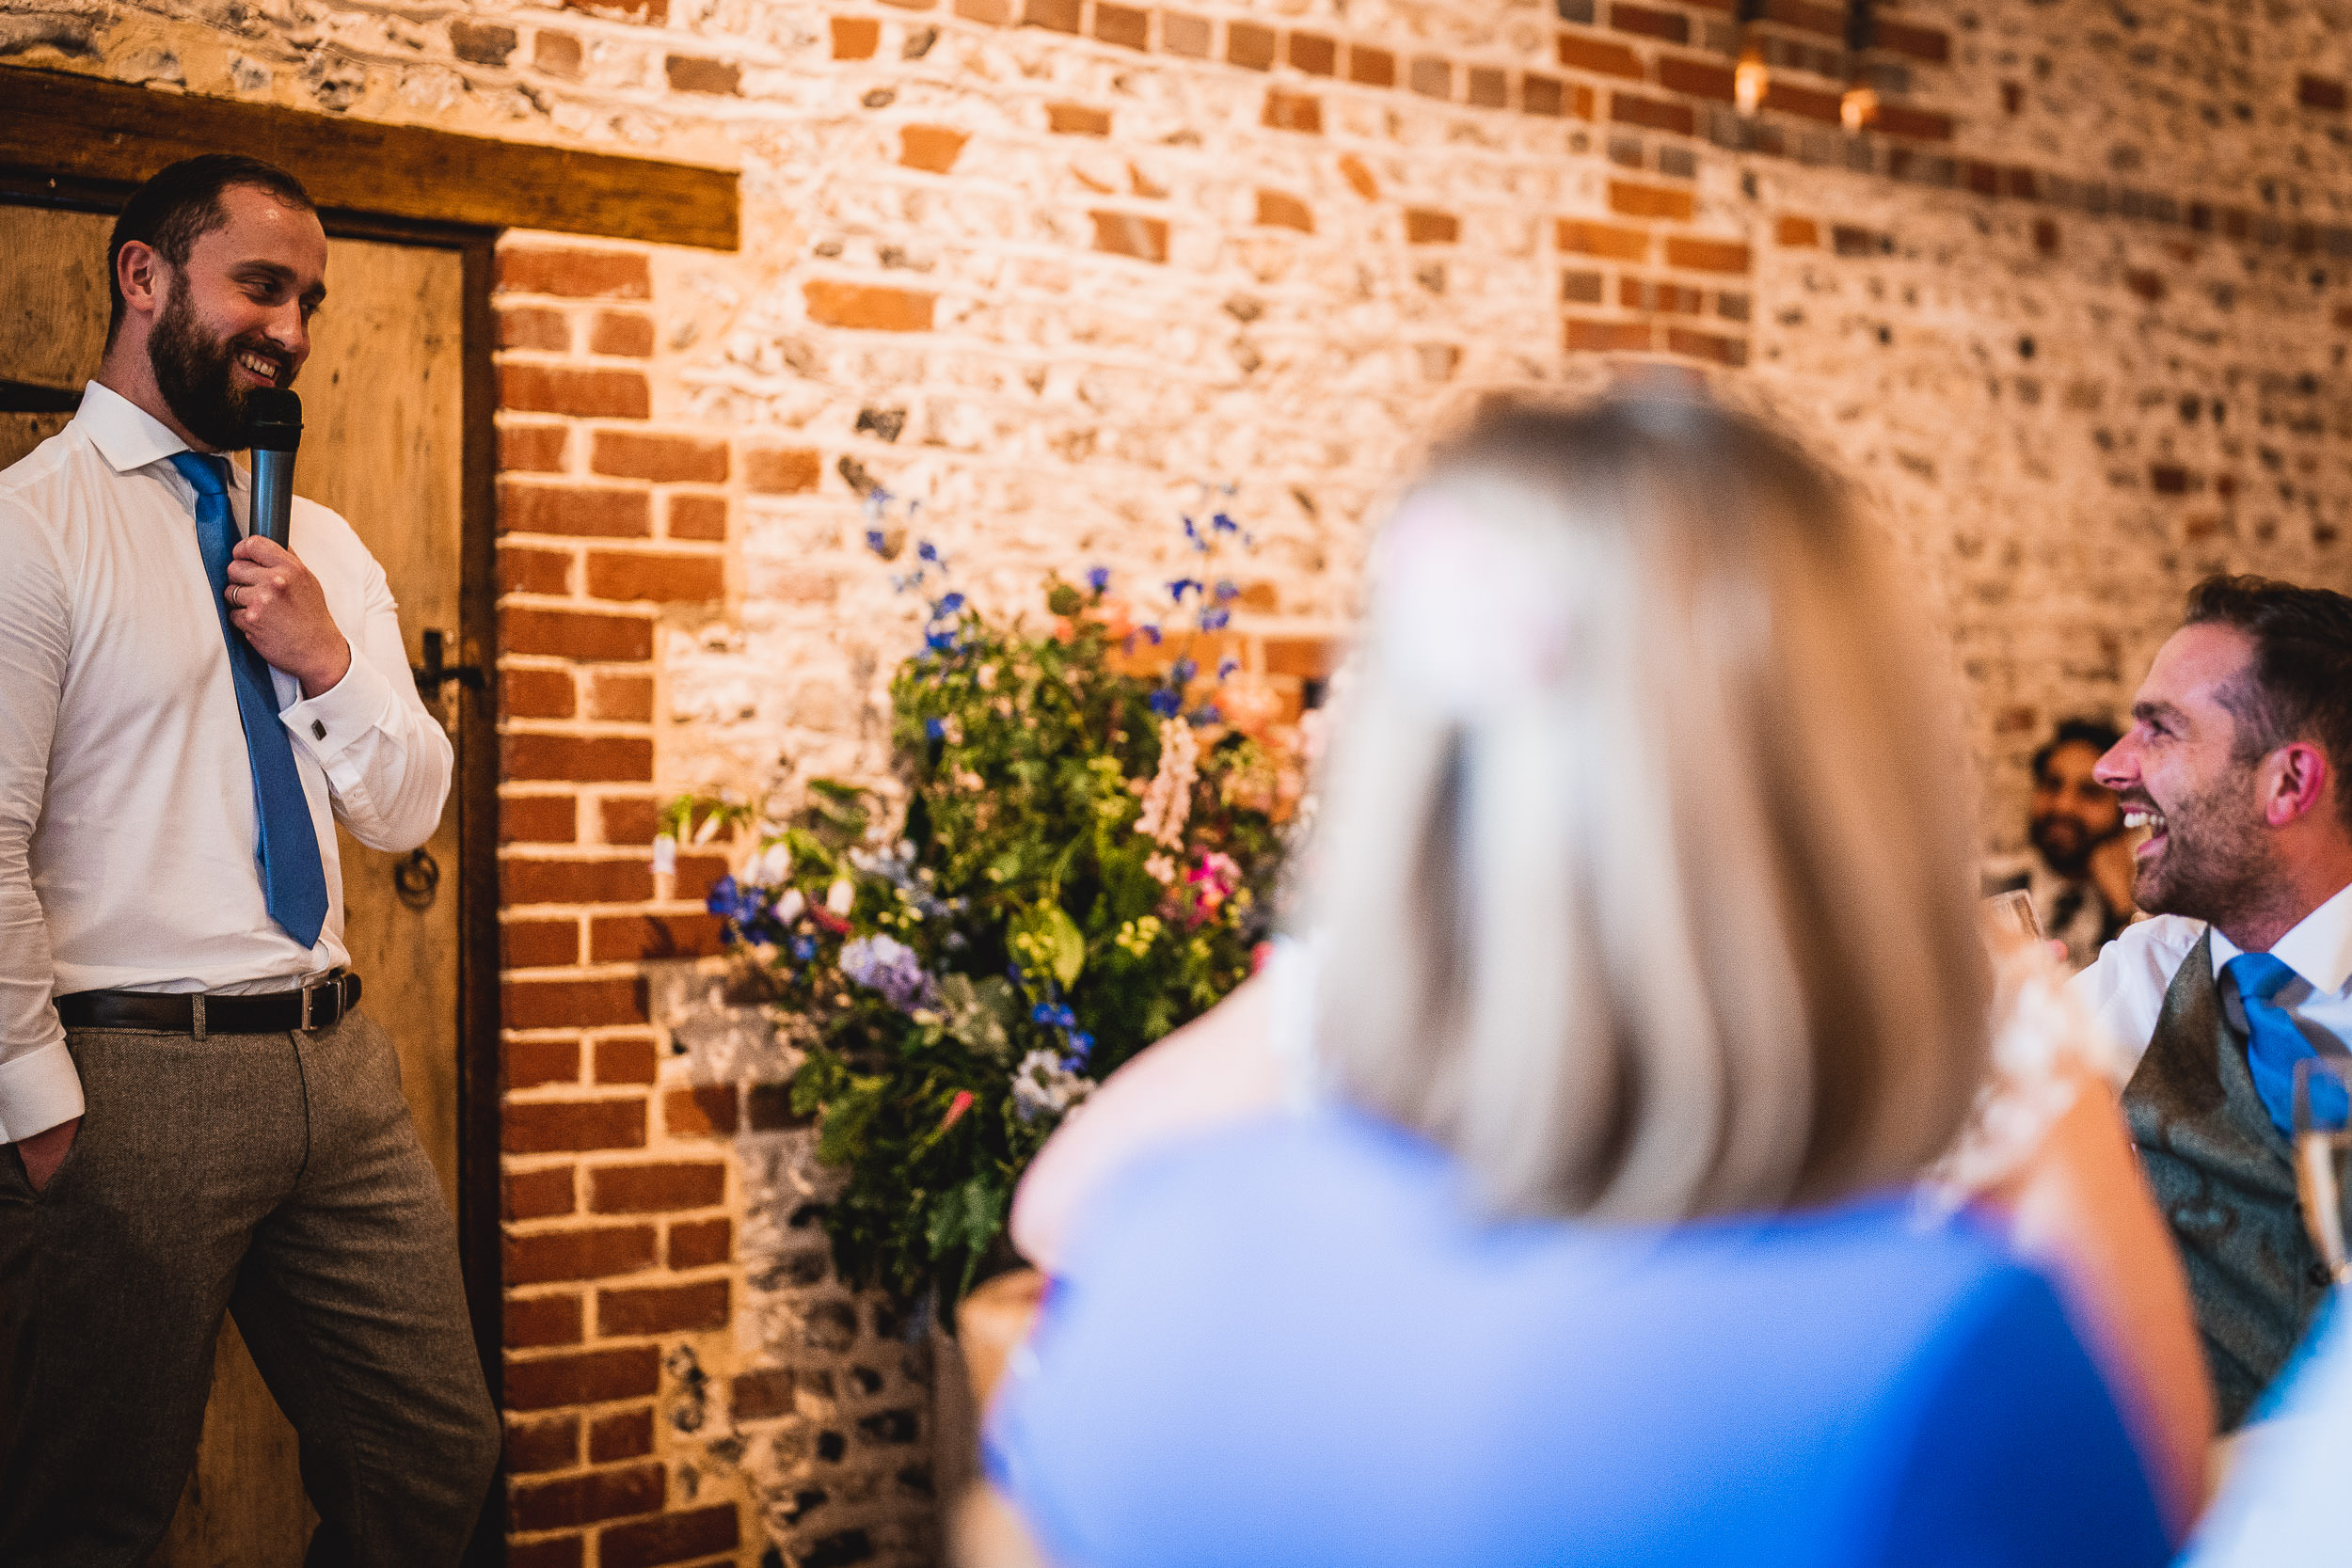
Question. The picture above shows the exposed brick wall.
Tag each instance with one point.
(2069, 312)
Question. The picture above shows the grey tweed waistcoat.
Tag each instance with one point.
(2225, 1179)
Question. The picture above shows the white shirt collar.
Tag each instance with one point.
(2318, 949)
(127, 436)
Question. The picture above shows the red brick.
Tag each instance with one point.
(701, 1244)
(1828, 21)
(587, 1499)
(781, 471)
(694, 74)
(624, 334)
(1645, 22)
(771, 1108)
(695, 516)
(761, 1396)
(1649, 201)
(573, 1004)
(665, 459)
(666, 577)
(627, 939)
(696, 873)
(867, 307)
(602, 511)
(1790, 98)
(1249, 45)
(709, 1112)
(589, 1377)
(1699, 78)
(1706, 255)
(626, 699)
(1059, 16)
(1131, 235)
(1076, 119)
(577, 759)
(855, 38)
(2170, 478)
(626, 819)
(536, 326)
(1128, 26)
(1707, 345)
(613, 394)
(623, 1434)
(1897, 119)
(537, 818)
(1424, 226)
(1187, 36)
(1920, 43)
(1293, 111)
(549, 881)
(533, 569)
(1539, 95)
(1486, 88)
(1600, 337)
(656, 1189)
(531, 1064)
(544, 1321)
(2147, 285)
(1372, 68)
(538, 1195)
(625, 1059)
(597, 1252)
(552, 1444)
(1602, 56)
(1314, 53)
(1580, 238)
(566, 1126)
(1306, 657)
(1627, 108)
(574, 634)
(662, 1309)
(575, 274)
(1793, 231)
(1278, 211)
(535, 693)
(557, 54)
(532, 447)
(672, 1538)
(932, 149)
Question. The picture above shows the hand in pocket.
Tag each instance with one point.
(43, 1152)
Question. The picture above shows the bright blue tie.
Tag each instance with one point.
(2274, 1044)
(292, 880)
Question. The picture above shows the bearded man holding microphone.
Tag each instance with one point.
(196, 1118)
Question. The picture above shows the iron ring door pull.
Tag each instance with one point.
(418, 877)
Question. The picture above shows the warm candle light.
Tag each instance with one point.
(1752, 78)
(1858, 108)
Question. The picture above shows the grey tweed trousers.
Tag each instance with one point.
(277, 1178)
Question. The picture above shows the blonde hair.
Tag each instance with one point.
(1642, 879)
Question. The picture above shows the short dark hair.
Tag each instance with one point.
(2300, 684)
(181, 205)
(2097, 733)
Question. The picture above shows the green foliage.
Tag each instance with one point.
(965, 977)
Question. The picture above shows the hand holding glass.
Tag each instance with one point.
(2323, 1155)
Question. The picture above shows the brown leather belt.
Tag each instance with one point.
(319, 1007)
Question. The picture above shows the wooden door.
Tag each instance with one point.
(383, 445)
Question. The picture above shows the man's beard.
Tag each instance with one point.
(196, 374)
(2072, 859)
(2216, 863)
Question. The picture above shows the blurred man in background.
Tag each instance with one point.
(2079, 871)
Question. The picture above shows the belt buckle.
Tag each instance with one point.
(307, 993)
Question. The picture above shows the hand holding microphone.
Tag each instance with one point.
(272, 598)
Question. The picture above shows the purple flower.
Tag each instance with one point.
(887, 966)
(926, 551)
(1224, 524)
(1183, 671)
(1207, 714)
(1081, 1046)
(1166, 701)
(876, 542)
(1099, 579)
(1226, 666)
(1226, 592)
(1177, 589)
(1214, 620)
(1152, 635)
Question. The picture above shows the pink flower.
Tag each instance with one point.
(956, 1108)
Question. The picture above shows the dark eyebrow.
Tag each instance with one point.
(281, 274)
(2144, 712)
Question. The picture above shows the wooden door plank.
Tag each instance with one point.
(64, 125)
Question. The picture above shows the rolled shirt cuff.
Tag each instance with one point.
(37, 1090)
(329, 723)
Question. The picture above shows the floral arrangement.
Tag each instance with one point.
(1086, 857)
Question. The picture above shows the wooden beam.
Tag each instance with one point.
(87, 129)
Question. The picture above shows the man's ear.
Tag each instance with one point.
(2295, 779)
(142, 273)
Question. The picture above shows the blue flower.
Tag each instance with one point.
(876, 542)
(1226, 666)
(1052, 1016)
(804, 948)
(1152, 635)
(1226, 592)
(933, 728)
(1177, 589)
(1081, 1046)
(941, 641)
(1214, 620)
(721, 895)
(1191, 532)
(949, 605)
(1165, 701)
(926, 551)
(1224, 524)
(1207, 714)
(1099, 579)
(1183, 671)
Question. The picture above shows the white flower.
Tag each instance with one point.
(839, 896)
(1042, 1086)
(770, 865)
(1167, 798)
(665, 855)
(791, 906)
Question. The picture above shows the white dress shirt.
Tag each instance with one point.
(128, 824)
(2125, 989)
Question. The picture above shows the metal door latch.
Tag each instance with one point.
(433, 674)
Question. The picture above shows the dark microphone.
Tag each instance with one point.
(273, 419)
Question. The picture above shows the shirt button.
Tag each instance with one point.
(318, 731)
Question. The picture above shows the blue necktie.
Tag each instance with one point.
(2274, 1044)
(292, 880)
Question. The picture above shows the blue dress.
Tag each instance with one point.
(1291, 1344)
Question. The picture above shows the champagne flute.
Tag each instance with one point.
(2323, 1155)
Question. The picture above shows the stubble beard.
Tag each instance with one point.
(196, 375)
(2216, 865)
